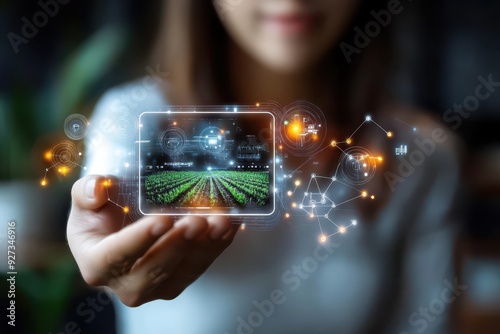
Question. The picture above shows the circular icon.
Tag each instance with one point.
(65, 154)
(212, 140)
(125, 126)
(172, 141)
(357, 165)
(303, 128)
(75, 126)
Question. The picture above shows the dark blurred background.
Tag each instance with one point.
(442, 47)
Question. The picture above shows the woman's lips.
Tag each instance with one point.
(290, 24)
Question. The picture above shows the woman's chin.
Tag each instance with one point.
(286, 65)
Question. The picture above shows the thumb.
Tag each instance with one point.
(90, 193)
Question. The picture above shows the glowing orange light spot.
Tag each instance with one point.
(106, 183)
(348, 141)
(48, 155)
(294, 205)
(311, 215)
(294, 129)
(43, 183)
(175, 123)
(126, 209)
(322, 238)
(63, 170)
(364, 194)
(243, 227)
(280, 147)
(372, 197)
(257, 104)
(297, 183)
(380, 159)
(333, 143)
(287, 215)
(389, 134)
(342, 229)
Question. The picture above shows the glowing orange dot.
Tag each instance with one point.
(43, 183)
(289, 193)
(287, 215)
(364, 194)
(389, 134)
(342, 229)
(243, 227)
(175, 123)
(348, 141)
(107, 183)
(297, 183)
(63, 170)
(294, 205)
(257, 104)
(322, 238)
(48, 155)
(311, 215)
(380, 158)
(372, 197)
(294, 129)
(126, 209)
(281, 147)
(333, 143)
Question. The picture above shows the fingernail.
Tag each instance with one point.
(218, 233)
(90, 188)
(191, 233)
(193, 227)
(159, 229)
(193, 230)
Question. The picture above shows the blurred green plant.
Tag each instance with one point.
(29, 113)
(49, 293)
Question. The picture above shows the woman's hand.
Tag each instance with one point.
(152, 258)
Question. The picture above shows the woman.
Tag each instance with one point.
(374, 280)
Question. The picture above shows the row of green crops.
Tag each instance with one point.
(208, 188)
